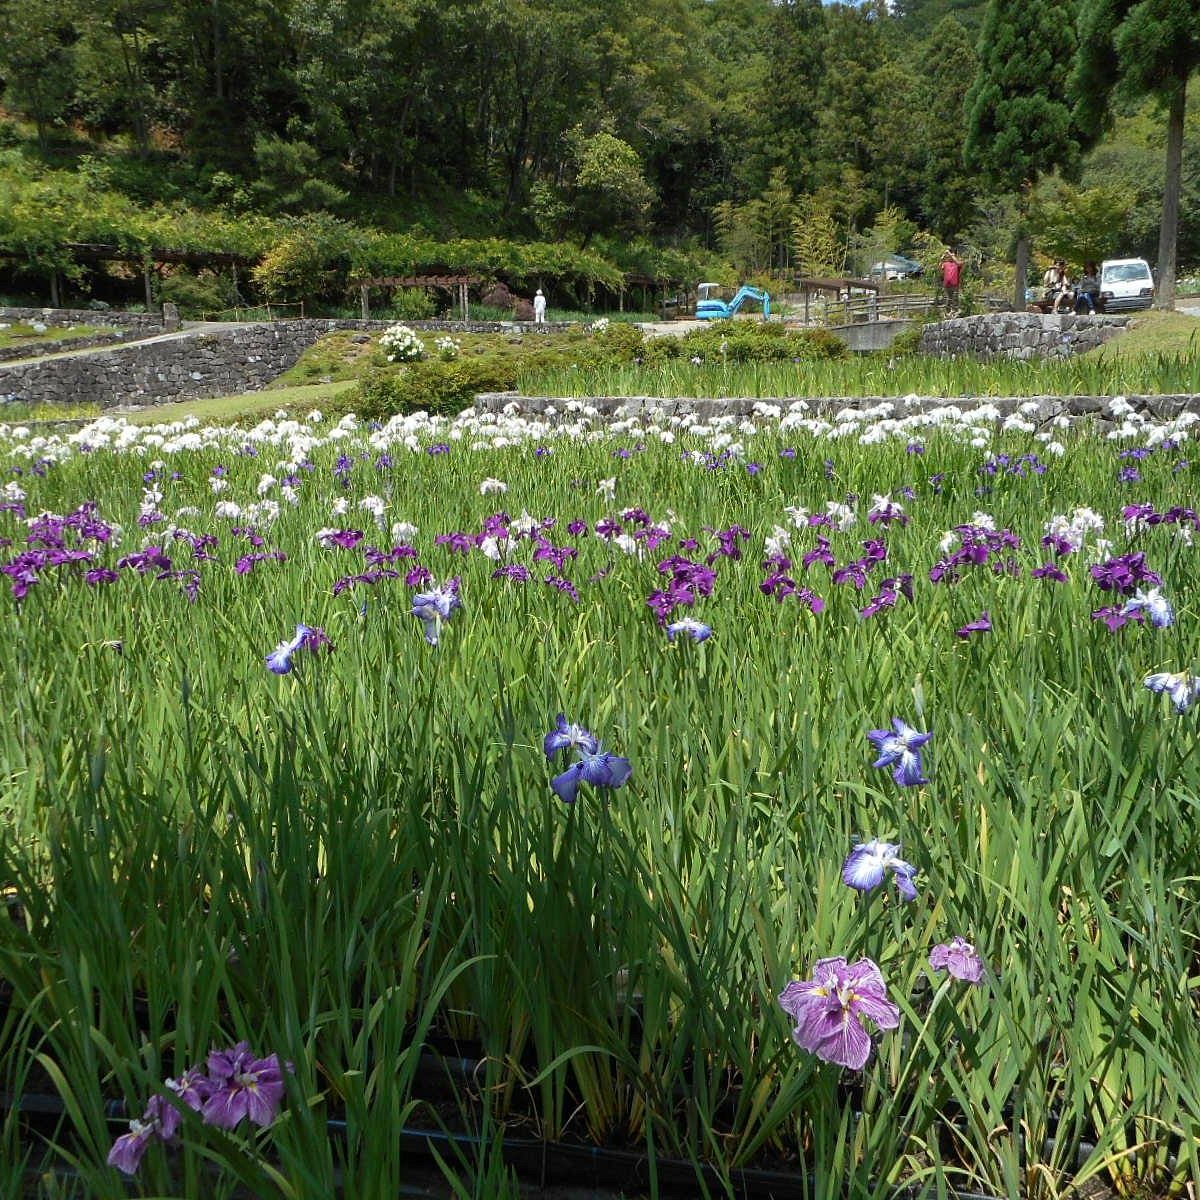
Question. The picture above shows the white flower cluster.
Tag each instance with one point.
(599, 325)
(448, 348)
(400, 344)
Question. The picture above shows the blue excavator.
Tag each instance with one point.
(709, 308)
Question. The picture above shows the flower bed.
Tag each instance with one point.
(763, 793)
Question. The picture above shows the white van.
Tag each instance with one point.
(1125, 284)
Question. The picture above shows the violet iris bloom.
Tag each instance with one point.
(280, 659)
(901, 749)
(982, 625)
(130, 1148)
(867, 863)
(434, 608)
(696, 630)
(566, 735)
(1154, 604)
(242, 1086)
(959, 959)
(829, 1010)
(1183, 688)
(596, 767)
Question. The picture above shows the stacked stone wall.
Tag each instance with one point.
(1019, 335)
(63, 318)
(197, 363)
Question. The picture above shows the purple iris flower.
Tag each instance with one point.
(959, 959)
(1116, 617)
(242, 1086)
(566, 735)
(596, 767)
(868, 863)
(434, 608)
(1154, 604)
(1182, 687)
(517, 572)
(982, 625)
(280, 659)
(130, 1148)
(901, 749)
(1049, 571)
(829, 1010)
(696, 630)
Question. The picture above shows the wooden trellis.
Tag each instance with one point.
(450, 283)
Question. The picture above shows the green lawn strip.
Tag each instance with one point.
(245, 405)
(21, 333)
(1154, 333)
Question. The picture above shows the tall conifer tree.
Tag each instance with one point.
(1136, 48)
(1019, 122)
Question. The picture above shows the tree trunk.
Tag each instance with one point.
(1022, 271)
(1168, 232)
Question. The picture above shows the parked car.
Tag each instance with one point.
(1126, 284)
(896, 266)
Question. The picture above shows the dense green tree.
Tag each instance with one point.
(37, 63)
(1019, 124)
(604, 188)
(947, 66)
(1142, 48)
(1080, 224)
(919, 18)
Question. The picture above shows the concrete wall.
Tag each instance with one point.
(864, 336)
(1019, 335)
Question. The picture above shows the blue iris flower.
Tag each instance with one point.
(1154, 604)
(596, 767)
(1183, 687)
(280, 659)
(696, 630)
(900, 747)
(568, 736)
(434, 608)
(868, 862)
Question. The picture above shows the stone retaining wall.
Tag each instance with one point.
(60, 345)
(199, 363)
(64, 318)
(1019, 335)
(1041, 408)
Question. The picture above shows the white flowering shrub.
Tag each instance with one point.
(448, 348)
(400, 344)
(599, 325)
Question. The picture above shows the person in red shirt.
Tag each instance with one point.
(952, 267)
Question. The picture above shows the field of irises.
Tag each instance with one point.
(764, 795)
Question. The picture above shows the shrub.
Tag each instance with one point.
(400, 344)
(197, 292)
(436, 387)
(743, 342)
(412, 304)
(616, 342)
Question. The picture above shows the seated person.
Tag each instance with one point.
(1087, 299)
(1064, 301)
(1053, 281)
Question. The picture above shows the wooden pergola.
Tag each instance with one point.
(450, 283)
(103, 252)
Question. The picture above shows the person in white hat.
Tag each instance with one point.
(539, 308)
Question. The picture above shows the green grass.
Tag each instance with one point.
(243, 406)
(1153, 333)
(22, 333)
